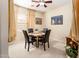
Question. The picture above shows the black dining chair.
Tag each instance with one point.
(45, 39)
(27, 39)
(30, 30)
(45, 29)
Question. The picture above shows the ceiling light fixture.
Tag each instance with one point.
(42, 2)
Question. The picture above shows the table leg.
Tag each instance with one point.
(37, 42)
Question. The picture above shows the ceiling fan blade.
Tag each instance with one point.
(38, 5)
(45, 5)
(48, 1)
(35, 0)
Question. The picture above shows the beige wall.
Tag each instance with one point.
(3, 28)
(40, 15)
(21, 22)
(23, 11)
(59, 32)
(20, 17)
(0, 26)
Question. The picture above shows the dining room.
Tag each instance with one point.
(39, 29)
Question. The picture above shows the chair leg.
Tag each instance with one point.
(44, 47)
(38, 44)
(42, 43)
(28, 46)
(25, 44)
(48, 45)
(32, 43)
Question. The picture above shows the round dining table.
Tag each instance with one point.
(37, 35)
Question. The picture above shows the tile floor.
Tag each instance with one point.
(56, 50)
(17, 50)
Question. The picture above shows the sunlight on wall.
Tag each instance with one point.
(23, 2)
(20, 15)
(21, 22)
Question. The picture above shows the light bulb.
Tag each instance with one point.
(41, 3)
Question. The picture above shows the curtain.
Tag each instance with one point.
(30, 18)
(74, 32)
(12, 27)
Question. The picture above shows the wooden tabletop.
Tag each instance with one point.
(36, 34)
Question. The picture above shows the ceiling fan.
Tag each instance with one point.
(42, 2)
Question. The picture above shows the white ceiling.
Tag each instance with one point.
(28, 4)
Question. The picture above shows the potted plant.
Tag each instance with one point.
(71, 52)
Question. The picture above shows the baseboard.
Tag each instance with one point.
(4, 56)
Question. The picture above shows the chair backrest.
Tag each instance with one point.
(26, 35)
(45, 29)
(47, 34)
(30, 30)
